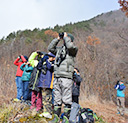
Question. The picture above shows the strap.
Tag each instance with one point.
(35, 79)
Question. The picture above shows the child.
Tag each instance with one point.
(76, 86)
(35, 79)
(19, 73)
(27, 70)
(45, 66)
(120, 87)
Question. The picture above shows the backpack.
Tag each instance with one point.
(86, 116)
(34, 80)
(74, 114)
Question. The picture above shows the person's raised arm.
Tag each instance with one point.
(70, 45)
(40, 64)
(32, 60)
(27, 67)
(22, 66)
(53, 45)
(23, 59)
(16, 62)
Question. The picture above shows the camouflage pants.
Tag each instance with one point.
(47, 100)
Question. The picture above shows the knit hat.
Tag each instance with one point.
(26, 58)
(71, 36)
(50, 54)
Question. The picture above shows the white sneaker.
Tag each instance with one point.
(46, 115)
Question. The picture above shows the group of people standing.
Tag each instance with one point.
(50, 79)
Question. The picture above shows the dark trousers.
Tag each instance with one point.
(75, 99)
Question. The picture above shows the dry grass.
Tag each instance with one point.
(105, 110)
(19, 112)
(7, 83)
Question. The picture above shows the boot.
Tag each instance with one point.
(56, 119)
(67, 110)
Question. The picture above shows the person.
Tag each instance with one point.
(120, 87)
(27, 70)
(33, 83)
(63, 74)
(18, 62)
(76, 86)
(45, 66)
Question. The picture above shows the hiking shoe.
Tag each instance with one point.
(65, 120)
(46, 115)
(16, 100)
(56, 119)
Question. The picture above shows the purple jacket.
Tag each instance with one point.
(46, 69)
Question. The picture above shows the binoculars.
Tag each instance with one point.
(61, 35)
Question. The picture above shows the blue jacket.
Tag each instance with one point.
(120, 90)
(26, 72)
(46, 69)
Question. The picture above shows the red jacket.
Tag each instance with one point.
(17, 63)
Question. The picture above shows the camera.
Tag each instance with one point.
(61, 35)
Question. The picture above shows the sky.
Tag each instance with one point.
(29, 14)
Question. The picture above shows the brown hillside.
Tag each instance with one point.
(102, 56)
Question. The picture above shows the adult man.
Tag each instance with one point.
(63, 73)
